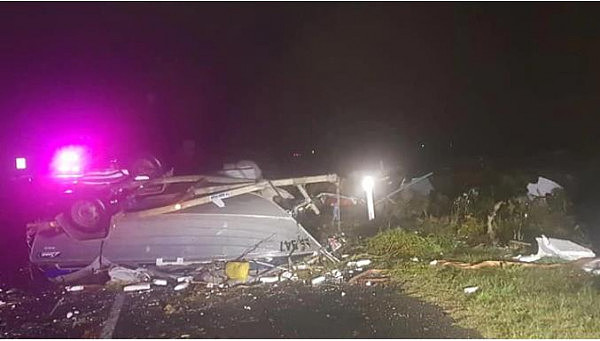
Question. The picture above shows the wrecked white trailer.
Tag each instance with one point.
(190, 219)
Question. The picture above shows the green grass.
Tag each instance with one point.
(511, 302)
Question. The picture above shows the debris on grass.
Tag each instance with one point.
(559, 248)
(470, 290)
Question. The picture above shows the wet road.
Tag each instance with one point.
(287, 310)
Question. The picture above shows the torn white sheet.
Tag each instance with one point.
(542, 187)
(560, 248)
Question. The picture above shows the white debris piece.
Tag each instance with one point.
(592, 266)
(125, 275)
(471, 290)
(561, 248)
(542, 187)
(336, 273)
(359, 263)
(137, 287)
(161, 282)
(271, 279)
(2, 303)
(368, 283)
(181, 286)
(433, 262)
(289, 276)
(73, 288)
(69, 314)
(185, 279)
(317, 280)
(414, 259)
(247, 307)
(343, 294)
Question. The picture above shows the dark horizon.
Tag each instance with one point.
(354, 81)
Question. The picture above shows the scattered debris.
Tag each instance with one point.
(237, 270)
(122, 275)
(181, 286)
(470, 290)
(317, 280)
(560, 248)
(493, 264)
(542, 187)
(185, 279)
(74, 288)
(271, 279)
(137, 287)
(160, 282)
(359, 263)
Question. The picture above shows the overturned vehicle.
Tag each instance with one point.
(232, 215)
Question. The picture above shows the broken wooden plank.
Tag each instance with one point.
(309, 201)
(226, 194)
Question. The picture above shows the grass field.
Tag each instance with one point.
(512, 302)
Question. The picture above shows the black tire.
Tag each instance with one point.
(88, 215)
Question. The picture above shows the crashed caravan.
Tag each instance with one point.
(223, 217)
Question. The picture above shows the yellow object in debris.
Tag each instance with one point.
(237, 270)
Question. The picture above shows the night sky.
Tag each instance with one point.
(350, 80)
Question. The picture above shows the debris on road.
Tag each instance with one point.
(122, 275)
(159, 282)
(137, 287)
(181, 286)
(317, 280)
(73, 288)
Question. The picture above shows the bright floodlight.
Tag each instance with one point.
(368, 183)
(68, 161)
(21, 163)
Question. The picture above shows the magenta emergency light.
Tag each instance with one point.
(21, 163)
(69, 161)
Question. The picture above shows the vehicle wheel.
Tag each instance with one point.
(149, 166)
(88, 215)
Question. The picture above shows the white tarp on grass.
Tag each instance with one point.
(559, 248)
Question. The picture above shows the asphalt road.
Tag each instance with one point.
(287, 310)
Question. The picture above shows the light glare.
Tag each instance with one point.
(21, 163)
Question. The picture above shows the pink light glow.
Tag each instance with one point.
(69, 161)
(21, 163)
